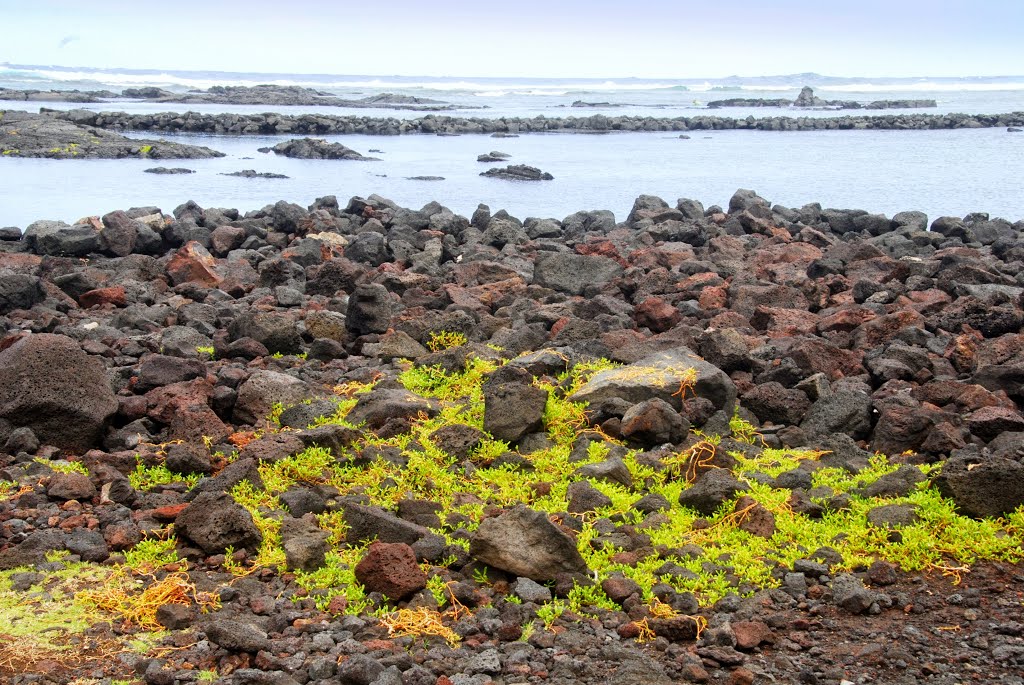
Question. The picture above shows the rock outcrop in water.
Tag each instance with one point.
(316, 148)
(808, 100)
(206, 354)
(518, 172)
(324, 124)
(36, 135)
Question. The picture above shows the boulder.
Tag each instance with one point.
(214, 521)
(157, 370)
(653, 422)
(258, 394)
(526, 543)
(370, 309)
(845, 411)
(373, 523)
(236, 636)
(391, 569)
(518, 172)
(375, 408)
(19, 291)
(512, 410)
(305, 544)
(666, 375)
(50, 385)
(68, 486)
(710, 490)
(573, 273)
(990, 487)
(274, 330)
(119, 233)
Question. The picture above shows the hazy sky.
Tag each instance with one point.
(555, 38)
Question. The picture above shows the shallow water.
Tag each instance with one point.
(938, 172)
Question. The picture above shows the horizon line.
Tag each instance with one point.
(146, 71)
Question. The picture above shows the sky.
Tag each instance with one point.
(552, 38)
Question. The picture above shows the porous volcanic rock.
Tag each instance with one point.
(522, 541)
(50, 385)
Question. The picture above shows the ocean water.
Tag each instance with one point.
(938, 172)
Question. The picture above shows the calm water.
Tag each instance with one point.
(939, 172)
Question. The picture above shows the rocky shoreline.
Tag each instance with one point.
(321, 124)
(33, 135)
(694, 445)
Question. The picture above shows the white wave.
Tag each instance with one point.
(925, 86)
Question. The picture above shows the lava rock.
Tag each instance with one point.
(214, 522)
(391, 569)
(50, 385)
(526, 543)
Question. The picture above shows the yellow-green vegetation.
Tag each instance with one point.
(62, 466)
(941, 539)
(262, 505)
(145, 149)
(206, 351)
(12, 151)
(442, 340)
(151, 554)
(71, 150)
(148, 477)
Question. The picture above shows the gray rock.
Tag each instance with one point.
(19, 291)
(71, 486)
(33, 549)
(359, 669)
(573, 273)
(524, 542)
(513, 410)
(612, 469)
(849, 592)
(305, 544)
(990, 487)
(214, 522)
(518, 172)
(711, 490)
(845, 412)
(380, 405)
(370, 309)
(531, 591)
(584, 497)
(661, 375)
(893, 516)
(236, 636)
(258, 394)
(119, 233)
(276, 331)
(50, 385)
(87, 544)
(373, 523)
(157, 370)
(899, 483)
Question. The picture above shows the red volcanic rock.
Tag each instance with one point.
(391, 569)
(113, 295)
(193, 264)
(750, 634)
(656, 314)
